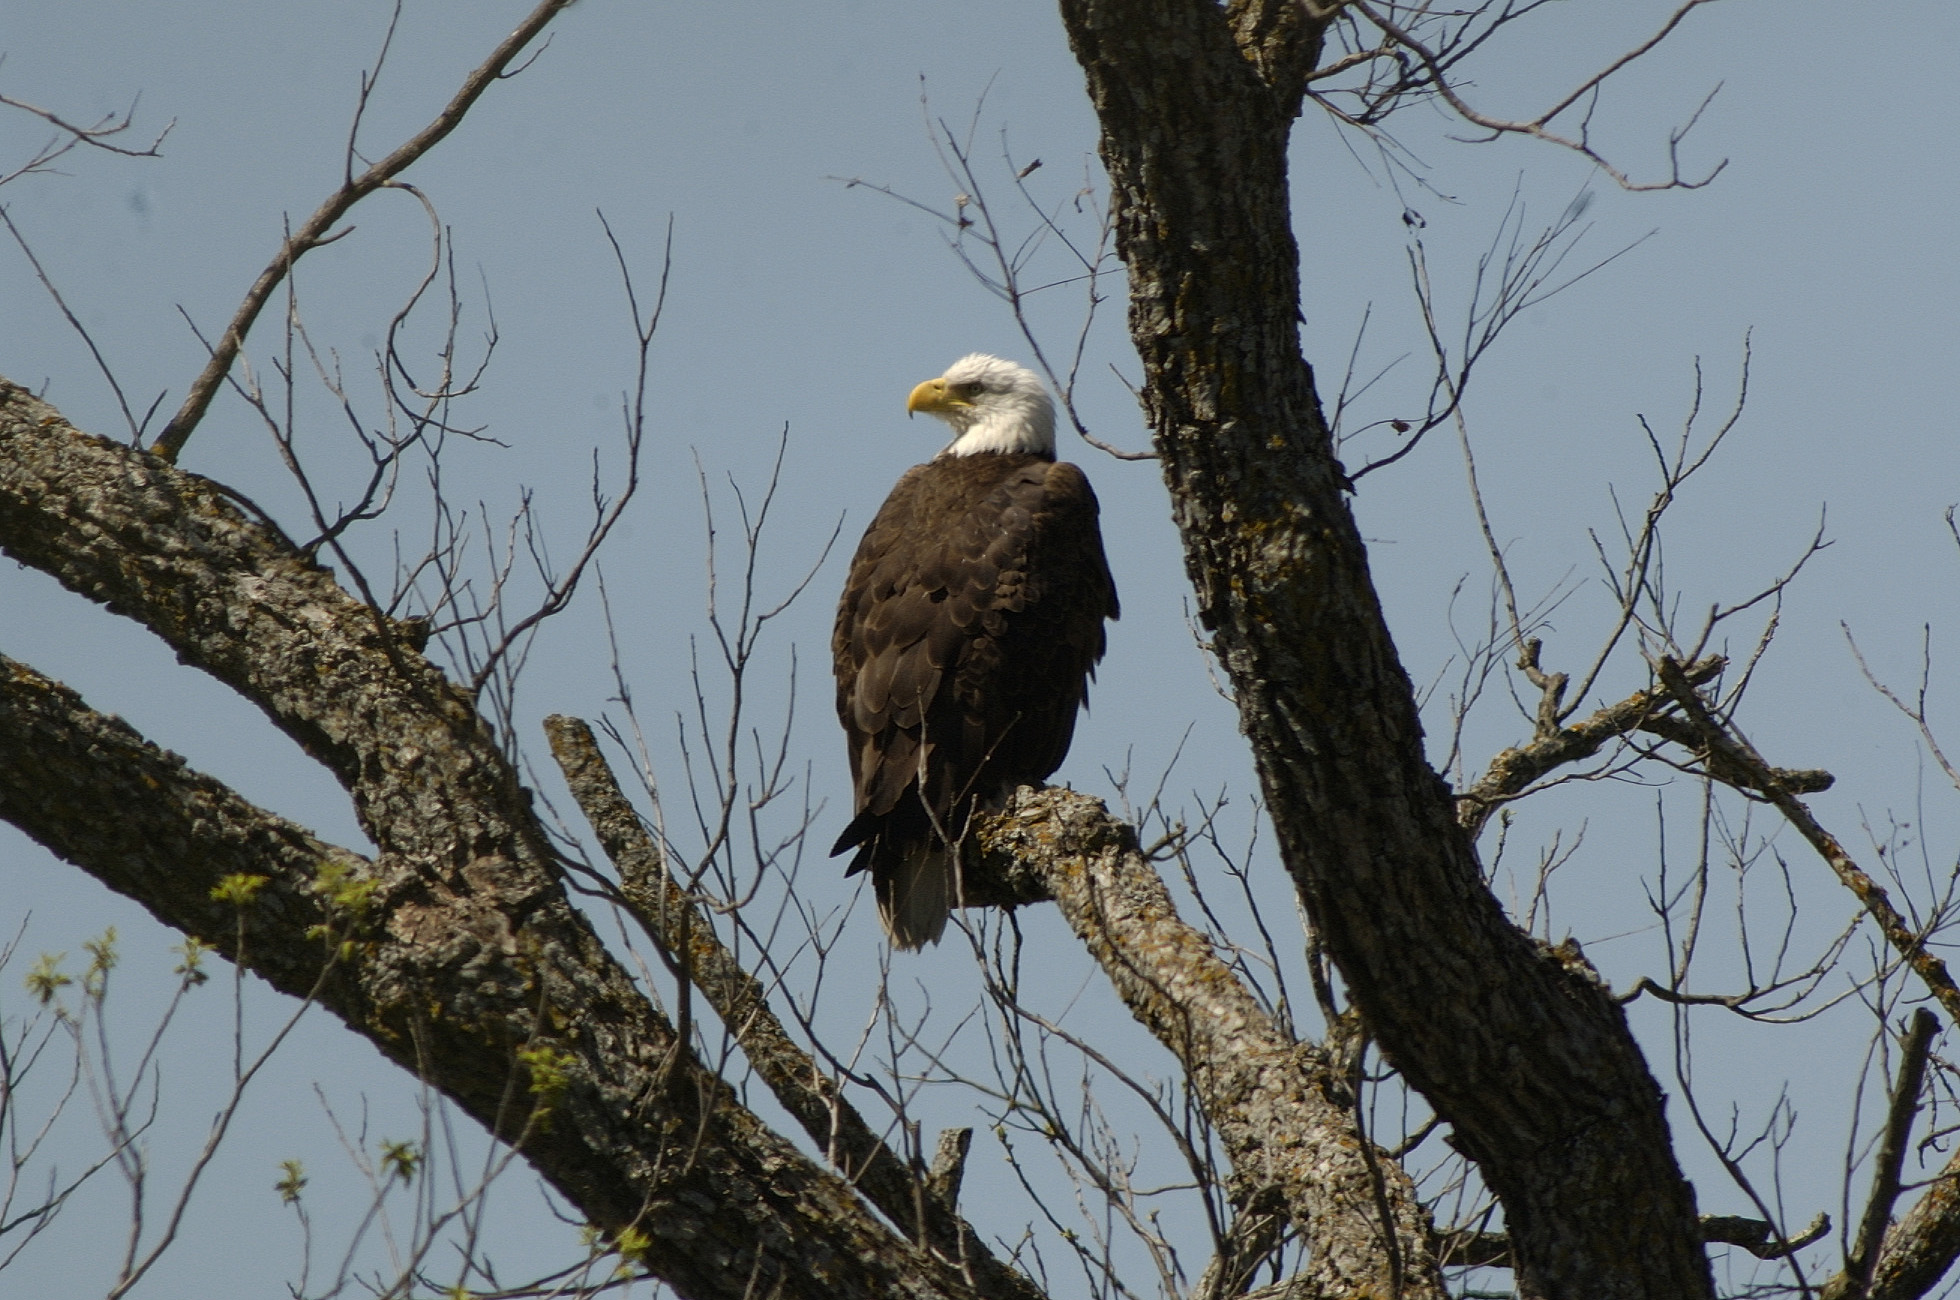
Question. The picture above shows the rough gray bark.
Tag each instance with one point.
(1919, 1248)
(1282, 1108)
(675, 922)
(456, 950)
(1527, 1058)
(465, 951)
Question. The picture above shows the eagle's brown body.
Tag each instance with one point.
(969, 627)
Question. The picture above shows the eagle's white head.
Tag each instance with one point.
(993, 405)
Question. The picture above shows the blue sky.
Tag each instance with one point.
(800, 303)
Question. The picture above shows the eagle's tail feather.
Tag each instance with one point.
(915, 893)
(913, 872)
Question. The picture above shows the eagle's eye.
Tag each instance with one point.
(970, 389)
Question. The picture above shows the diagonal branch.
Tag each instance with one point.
(1526, 1057)
(1923, 1245)
(140, 820)
(1863, 1261)
(1729, 747)
(314, 232)
(673, 920)
(1284, 1114)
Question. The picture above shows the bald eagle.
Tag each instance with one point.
(969, 627)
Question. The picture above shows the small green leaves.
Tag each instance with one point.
(46, 979)
(349, 898)
(101, 960)
(345, 892)
(292, 1178)
(550, 1076)
(400, 1160)
(632, 1246)
(191, 968)
(238, 889)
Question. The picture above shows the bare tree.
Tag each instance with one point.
(465, 946)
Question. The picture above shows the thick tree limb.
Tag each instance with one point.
(1531, 1063)
(464, 961)
(91, 790)
(1285, 1119)
(674, 922)
(1921, 1247)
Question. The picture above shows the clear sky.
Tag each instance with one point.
(800, 303)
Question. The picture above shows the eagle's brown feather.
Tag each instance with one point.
(969, 627)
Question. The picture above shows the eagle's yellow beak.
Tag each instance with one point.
(933, 396)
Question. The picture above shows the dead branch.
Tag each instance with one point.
(1863, 1260)
(1512, 772)
(1442, 80)
(1735, 752)
(681, 929)
(314, 231)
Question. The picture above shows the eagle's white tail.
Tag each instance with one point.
(916, 897)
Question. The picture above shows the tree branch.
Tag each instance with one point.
(679, 928)
(1284, 1116)
(139, 819)
(1922, 1246)
(314, 232)
(1440, 78)
(1527, 1058)
(1855, 1282)
(1758, 1237)
(1729, 747)
(462, 959)
(1513, 771)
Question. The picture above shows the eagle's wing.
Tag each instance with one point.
(969, 624)
(971, 617)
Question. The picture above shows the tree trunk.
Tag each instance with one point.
(1519, 1049)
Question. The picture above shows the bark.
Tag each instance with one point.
(456, 947)
(1521, 1051)
(1921, 1247)
(1282, 1108)
(678, 926)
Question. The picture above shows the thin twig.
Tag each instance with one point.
(1731, 748)
(101, 362)
(314, 232)
(1439, 77)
